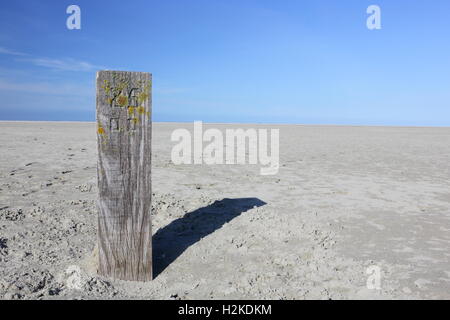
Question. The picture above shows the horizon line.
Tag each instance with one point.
(243, 123)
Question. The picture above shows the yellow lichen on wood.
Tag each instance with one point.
(122, 100)
(141, 110)
(143, 96)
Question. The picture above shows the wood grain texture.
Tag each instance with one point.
(123, 170)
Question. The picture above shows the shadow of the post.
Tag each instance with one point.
(172, 240)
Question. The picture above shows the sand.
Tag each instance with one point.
(345, 199)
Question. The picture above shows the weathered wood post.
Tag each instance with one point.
(123, 170)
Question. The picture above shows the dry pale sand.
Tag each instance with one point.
(345, 198)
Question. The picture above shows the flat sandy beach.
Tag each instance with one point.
(345, 199)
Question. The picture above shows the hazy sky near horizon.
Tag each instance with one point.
(290, 61)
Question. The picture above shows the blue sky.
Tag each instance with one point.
(310, 62)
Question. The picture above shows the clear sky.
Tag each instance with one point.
(288, 61)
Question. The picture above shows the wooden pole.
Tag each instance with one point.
(123, 170)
